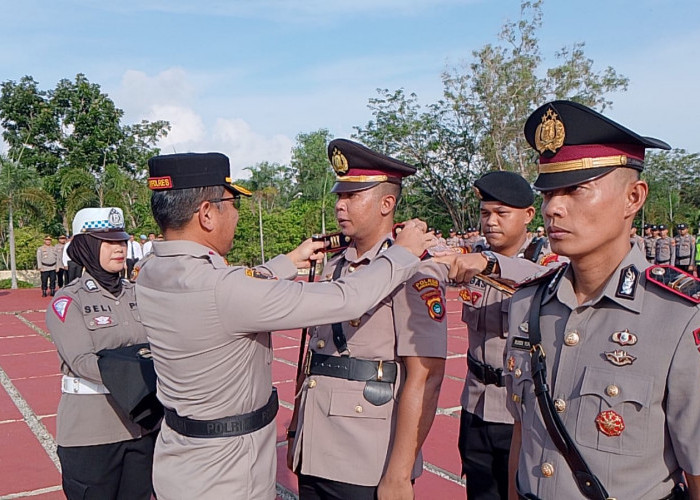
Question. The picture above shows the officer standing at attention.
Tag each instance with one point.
(605, 406)
(46, 264)
(685, 247)
(635, 239)
(209, 328)
(61, 268)
(486, 425)
(372, 382)
(452, 240)
(103, 453)
(649, 243)
(665, 247)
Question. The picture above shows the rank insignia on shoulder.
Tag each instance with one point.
(676, 281)
(624, 337)
(618, 357)
(254, 273)
(60, 307)
(627, 285)
(436, 306)
(90, 285)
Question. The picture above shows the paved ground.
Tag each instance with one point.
(30, 393)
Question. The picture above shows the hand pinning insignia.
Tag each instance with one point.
(618, 357)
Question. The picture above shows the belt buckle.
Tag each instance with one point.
(380, 371)
(307, 367)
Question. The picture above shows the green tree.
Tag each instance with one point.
(477, 125)
(21, 200)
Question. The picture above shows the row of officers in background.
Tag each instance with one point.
(681, 250)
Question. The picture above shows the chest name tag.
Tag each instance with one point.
(521, 343)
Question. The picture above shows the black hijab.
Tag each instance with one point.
(84, 249)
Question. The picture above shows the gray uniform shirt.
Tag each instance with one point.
(335, 420)
(485, 311)
(685, 248)
(208, 325)
(665, 251)
(83, 319)
(46, 258)
(655, 396)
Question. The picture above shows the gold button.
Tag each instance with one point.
(547, 469)
(571, 338)
(359, 409)
(516, 398)
(351, 269)
(612, 390)
(518, 372)
(559, 405)
(312, 384)
(321, 344)
(355, 322)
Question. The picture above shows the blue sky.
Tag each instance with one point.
(244, 77)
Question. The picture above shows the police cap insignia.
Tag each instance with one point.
(550, 133)
(339, 162)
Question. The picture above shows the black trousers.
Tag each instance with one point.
(318, 488)
(48, 280)
(62, 277)
(115, 471)
(484, 448)
(74, 271)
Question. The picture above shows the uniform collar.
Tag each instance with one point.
(91, 285)
(351, 253)
(624, 287)
(178, 248)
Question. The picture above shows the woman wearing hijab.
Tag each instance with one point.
(103, 453)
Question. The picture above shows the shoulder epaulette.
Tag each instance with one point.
(675, 281)
(542, 275)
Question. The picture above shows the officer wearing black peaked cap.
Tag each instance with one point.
(209, 323)
(604, 406)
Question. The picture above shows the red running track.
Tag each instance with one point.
(30, 391)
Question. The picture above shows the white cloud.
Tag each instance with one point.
(172, 95)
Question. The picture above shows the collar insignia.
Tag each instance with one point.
(618, 357)
(339, 162)
(624, 337)
(627, 286)
(550, 134)
(90, 285)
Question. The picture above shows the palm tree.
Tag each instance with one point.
(19, 191)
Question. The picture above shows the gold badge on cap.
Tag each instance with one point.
(550, 134)
(339, 162)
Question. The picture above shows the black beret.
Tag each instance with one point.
(577, 144)
(191, 170)
(506, 187)
(358, 168)
(662, 227)
(681, 226)
(654, 227)
(647, 226)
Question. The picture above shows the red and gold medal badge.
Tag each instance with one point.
(610, 423)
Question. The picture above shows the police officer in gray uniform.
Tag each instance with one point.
(685, 247)
(665, 247)
(103, 453)
(605, 406)
(208, 325)
(486, 425)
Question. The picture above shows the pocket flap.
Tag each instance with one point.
(631, 387)
(346, 403)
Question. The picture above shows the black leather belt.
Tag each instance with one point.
(349, 368)
(237, 425)
(486, 374)
(679, 492)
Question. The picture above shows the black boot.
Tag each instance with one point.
(53, 292)
(43, 292)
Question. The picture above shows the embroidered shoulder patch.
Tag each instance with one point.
(60, 307)
(254, 273)
(470, 296)
(426, 283)
(675, 281)
(436, 306)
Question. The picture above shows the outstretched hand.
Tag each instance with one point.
(414, 238)
(463, 266)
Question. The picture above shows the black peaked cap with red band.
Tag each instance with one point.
(577, 144)
(358, 168)
(191, 170)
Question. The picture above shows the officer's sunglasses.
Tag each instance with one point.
(235, 199)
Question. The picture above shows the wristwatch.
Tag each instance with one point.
(491, 264)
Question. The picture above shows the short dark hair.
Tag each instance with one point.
(173, 209)
(388, 188)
